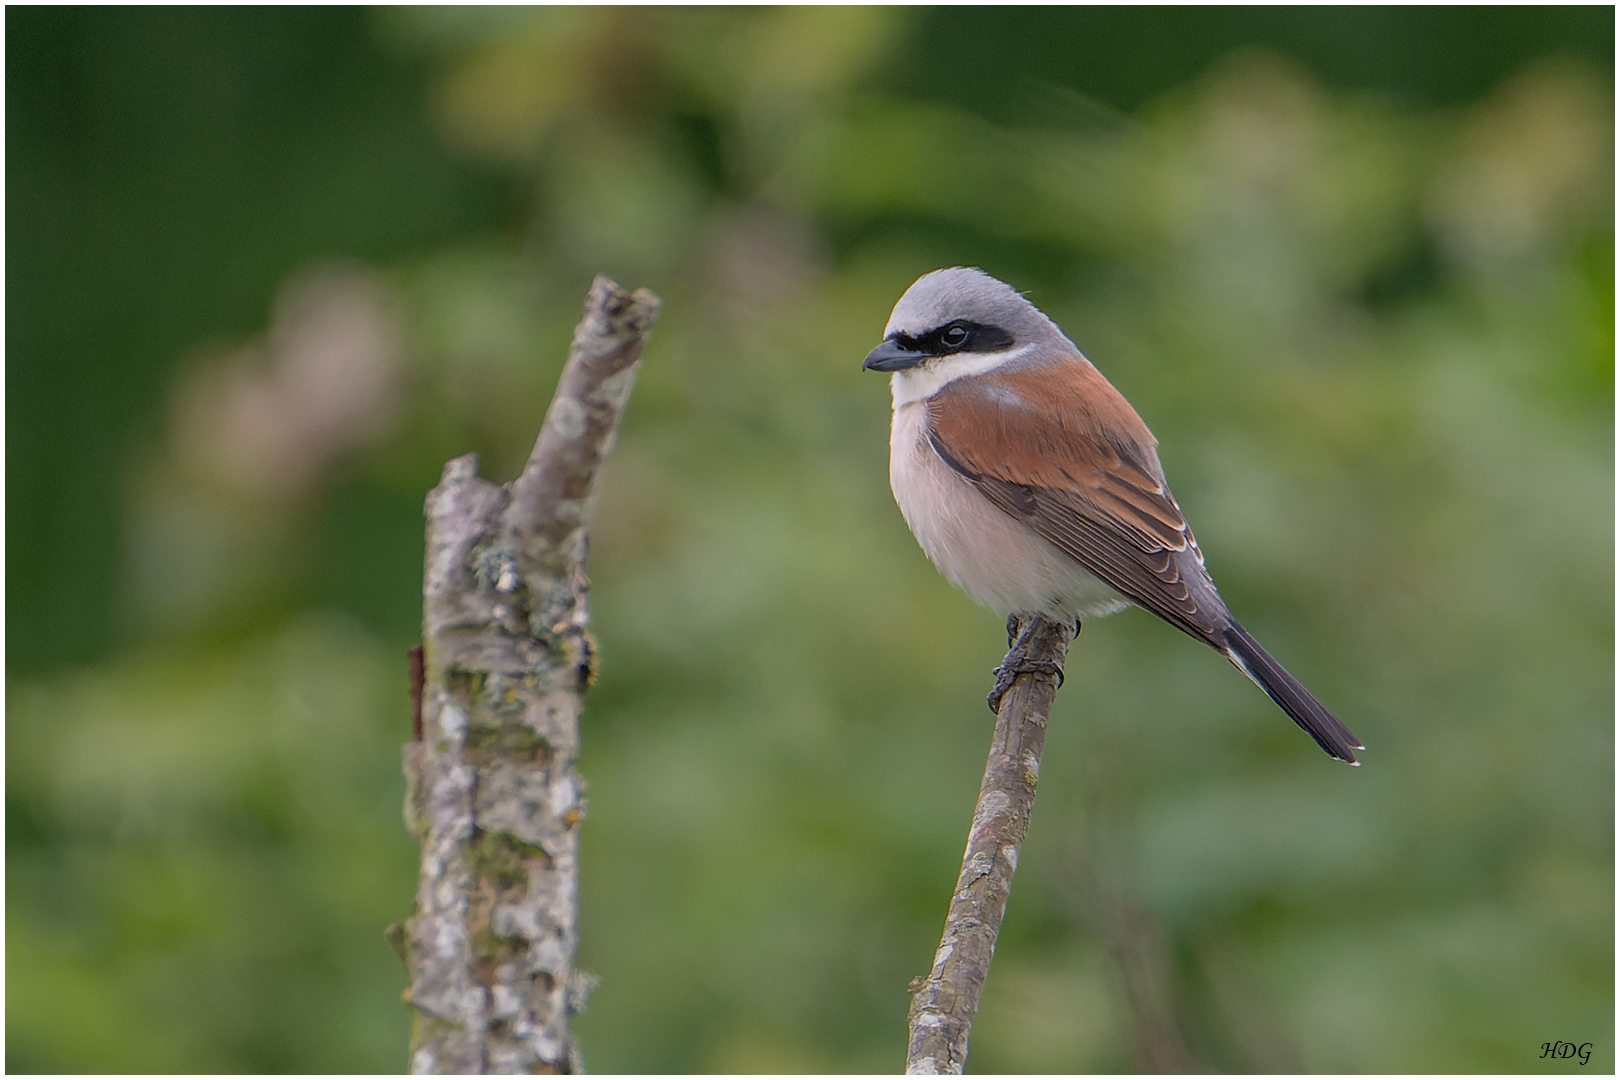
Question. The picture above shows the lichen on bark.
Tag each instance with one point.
(492, 796)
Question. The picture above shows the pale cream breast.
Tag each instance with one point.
(995, 559)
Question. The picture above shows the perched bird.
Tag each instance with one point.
(1033, 485)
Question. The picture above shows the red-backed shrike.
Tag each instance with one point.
(1034, 486)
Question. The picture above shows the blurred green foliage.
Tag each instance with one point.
(268, 269)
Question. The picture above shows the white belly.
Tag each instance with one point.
(998, 561)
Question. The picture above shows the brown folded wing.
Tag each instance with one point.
(1059, 449)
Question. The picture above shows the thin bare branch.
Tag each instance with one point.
(945, 1001)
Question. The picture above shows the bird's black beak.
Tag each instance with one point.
(892, 356)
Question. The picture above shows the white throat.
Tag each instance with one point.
(924, 381)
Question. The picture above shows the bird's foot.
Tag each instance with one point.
(1017, 662)
(1009, 671)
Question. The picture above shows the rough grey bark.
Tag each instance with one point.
(492, 796)
(945, 1001)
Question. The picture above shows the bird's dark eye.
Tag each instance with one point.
(954, 335)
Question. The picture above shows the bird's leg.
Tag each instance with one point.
(1017, 662)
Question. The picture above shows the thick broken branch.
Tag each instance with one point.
(492, 796)
(945, 1001)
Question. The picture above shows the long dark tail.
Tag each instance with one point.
(1298, 702)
